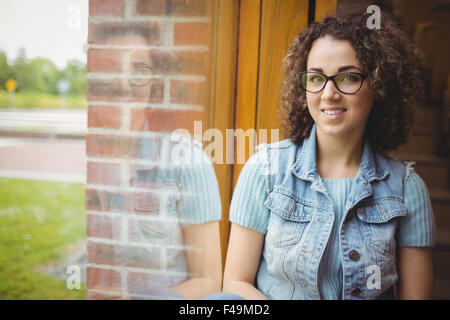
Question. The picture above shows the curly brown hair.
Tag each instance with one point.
(397, 73)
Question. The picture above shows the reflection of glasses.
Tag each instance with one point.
(140, 69)
(345, 82)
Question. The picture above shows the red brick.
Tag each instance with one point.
(103, 226)
(147, 284)
(120, 255)
(107, 200)
(104, 60)
(124, 33)
(121, 90)
(113, 146)
(190, 8)
(189, 92)
(154, 232)
(105, 296)
(150, 176)
(103, 279)
(148, 149)
(104, 117)
(183, 8)
(161, 120)
(192, 33)
(145, 203)
(176, 62)
(111, 8)
(120, 146)
(103, 173)
(150, 8)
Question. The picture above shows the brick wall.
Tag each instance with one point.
(148, 74)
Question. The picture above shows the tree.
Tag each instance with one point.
(20, 71)
(4, 70)
(42, 75)
(46, 75)
(76, 72)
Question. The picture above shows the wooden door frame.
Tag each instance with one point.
(224, 62)
(236, 66)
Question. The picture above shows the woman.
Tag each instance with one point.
(326, 214)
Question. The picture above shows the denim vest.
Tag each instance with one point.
(301, 218)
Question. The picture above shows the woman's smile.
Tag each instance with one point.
(333, 113)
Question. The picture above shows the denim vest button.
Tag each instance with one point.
(354, 255)
(356, 292)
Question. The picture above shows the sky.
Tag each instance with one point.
(53, 29)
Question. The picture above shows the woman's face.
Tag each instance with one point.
(331, 56)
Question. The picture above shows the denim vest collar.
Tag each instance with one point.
(305, 166)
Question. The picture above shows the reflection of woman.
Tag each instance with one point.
(186, 224)
(180, 209)
(199, 213)
(326, 214)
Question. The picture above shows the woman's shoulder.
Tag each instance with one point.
(397, 168)
(413, 184)
(265, 151)
(391, 159)
(283, 144)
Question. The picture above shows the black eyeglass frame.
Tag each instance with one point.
(134, 81)
(363, 77)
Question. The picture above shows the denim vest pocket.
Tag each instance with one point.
(287, 220)
(379, 222)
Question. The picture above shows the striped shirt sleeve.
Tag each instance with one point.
(199, 190)
(418, 228)
(247, 205)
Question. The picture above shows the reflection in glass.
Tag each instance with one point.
(167, 203)
(181, 220)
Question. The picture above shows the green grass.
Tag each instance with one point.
(38, 220)
(31, 100)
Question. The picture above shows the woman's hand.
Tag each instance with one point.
(243, 258)
(204, 261)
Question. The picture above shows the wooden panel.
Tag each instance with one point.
(224, 64)
(282, 21)
(325, 8)
(267, 27)
(247, 80)
(266, 30)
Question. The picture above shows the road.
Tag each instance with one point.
(67, 121)
(43, 159)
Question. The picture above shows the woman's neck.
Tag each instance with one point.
(338, 156)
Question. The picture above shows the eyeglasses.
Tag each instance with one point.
(345, 82)
(140, 69)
